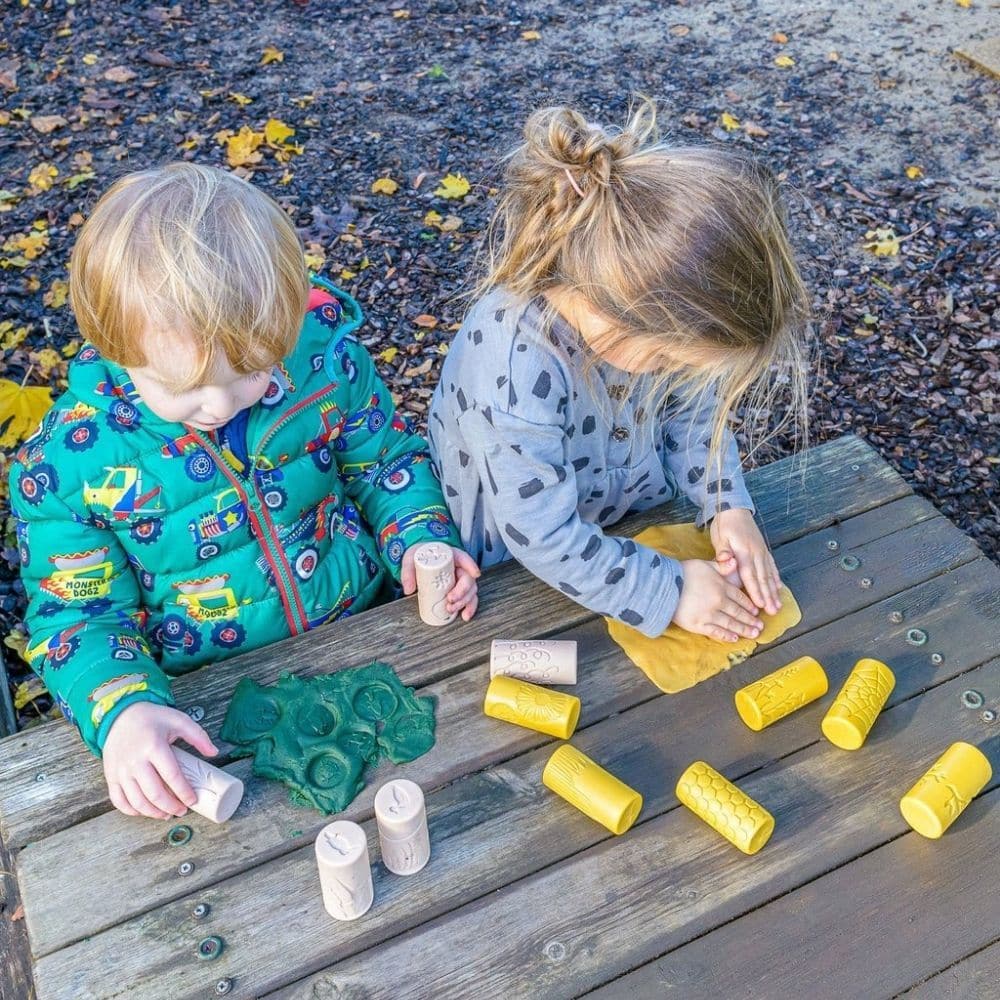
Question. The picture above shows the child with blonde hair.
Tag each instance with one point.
(225, 469)
(635, 294)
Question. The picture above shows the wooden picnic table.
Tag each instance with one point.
(526, 897)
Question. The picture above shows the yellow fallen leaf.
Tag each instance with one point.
(442, 348)
(77, 179)
(9, 337)
(913, 172)
(315, 258)
(784, 62)
(833, 57)
(401, 15)
(42, 176)
(276, 132)
(883, 241)
(90, 58)
(242, 147)
(18, 641)
(432, 218)
(286, 177)
(32, 245)
(21, 410)
(346, 274)
(270, 55)
(531, 36)
(69, 350)
(388, 355)
(729, 123)
(452, 186)
(964, 3)
(55, 297)
(304, 101)
(27, 691)
(241, 99)
(385, 185)
(46, 359)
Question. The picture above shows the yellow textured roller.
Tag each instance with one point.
(939, 797)
(742, 821)
(590, 788)
(532, 706)
(855, 709)
(780, 693)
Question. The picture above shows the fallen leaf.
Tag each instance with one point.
(401, 15)
(780, 37)
(388, 355)
(432, 218)
(31, 244)
(833, 57)
(119, 74)
(346, 274)
(69, 350)
(276, 132)
(241, 99)
(784, 62)
(18, 913)
(9, 337)
(28, 691)
(757, 131)
(964, 3)
(883, 241)
(270, 55)
(729, 123)
(385, 185)
(531, 36)
(426, 321)
(90, 59)
(913, 172)
(47, 123)
(77, 179)
(21, 411)
(55, 297)
(155, 58)
(680, 30)
(242, 147)
(453, 187)
(41, 177)
(8, 72)
(450, 224)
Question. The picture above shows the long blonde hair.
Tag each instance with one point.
(683, 249)
(191, 249)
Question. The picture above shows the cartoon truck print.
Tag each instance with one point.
(108, 694)
(57, 649)
(371, 417)
(392, 545)
(127, 647)
(79, 576)
(208, 599)
(332, 423)
(121, 493)
(229, 514)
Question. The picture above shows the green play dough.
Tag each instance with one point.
(318, 735)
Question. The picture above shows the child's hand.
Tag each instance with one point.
(463, 596)
(144, 778)
(711, 605)
(740, 548)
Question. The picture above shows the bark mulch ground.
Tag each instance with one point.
(908, 342)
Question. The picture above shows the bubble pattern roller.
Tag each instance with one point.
(595, 792)
(780, 693)
(542, 661)
(531, 706)
(951, 783)
(854, 711)
(743, 822)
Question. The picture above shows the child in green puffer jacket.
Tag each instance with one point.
(225, 469)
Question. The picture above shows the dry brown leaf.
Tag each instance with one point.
(119, 74)
(47, 123)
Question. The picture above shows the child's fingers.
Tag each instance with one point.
(173, 777)
(156, 792)
(118, 800)
(471, 606)
(137, 799)
(458, 594)
(408, 574)
(738, 614)
(463, 561)
(752, 584)
(187, 729)
(737, 595)
(766, 584)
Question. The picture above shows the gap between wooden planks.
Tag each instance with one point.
(837, 480)
(133, 854)
(155, 949)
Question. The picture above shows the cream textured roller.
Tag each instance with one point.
(402, 826)
(434, 563)
(344, 871)
(219, 793)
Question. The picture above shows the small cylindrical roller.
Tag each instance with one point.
(951, 783)
(402, 826)
(434, 563)
(590, 788)
(854, 711)
(532, 706)
(780, 693)
(218, 791)
(345, 873)
(541, 661)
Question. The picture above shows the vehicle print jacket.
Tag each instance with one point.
(148, 550)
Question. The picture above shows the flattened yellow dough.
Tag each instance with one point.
(679, 659)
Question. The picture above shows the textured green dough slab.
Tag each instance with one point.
(317, 735)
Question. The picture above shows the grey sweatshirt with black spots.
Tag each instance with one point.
(537, 452)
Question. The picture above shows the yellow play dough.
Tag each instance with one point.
(679, 659)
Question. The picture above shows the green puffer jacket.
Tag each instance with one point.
(147, 550)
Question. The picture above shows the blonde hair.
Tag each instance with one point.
(192, 250)
(683, 249)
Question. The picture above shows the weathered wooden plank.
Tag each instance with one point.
(868, 929)
(614, 906)
(488, 829)
(827, 484)
(974, 978)
(15, 959)
(101, 849)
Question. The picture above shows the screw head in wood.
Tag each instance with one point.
(222, 987)
(201, 911)
(988, 715)
(916, 637)
(210, 947)
(555, 951)
(937, 659)
(39, 777)
(866, 582)
(896, 617)
(972, 699)
(179, 835)
(185, 868)
(855, 468)
(833, 545)
(196, 712)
